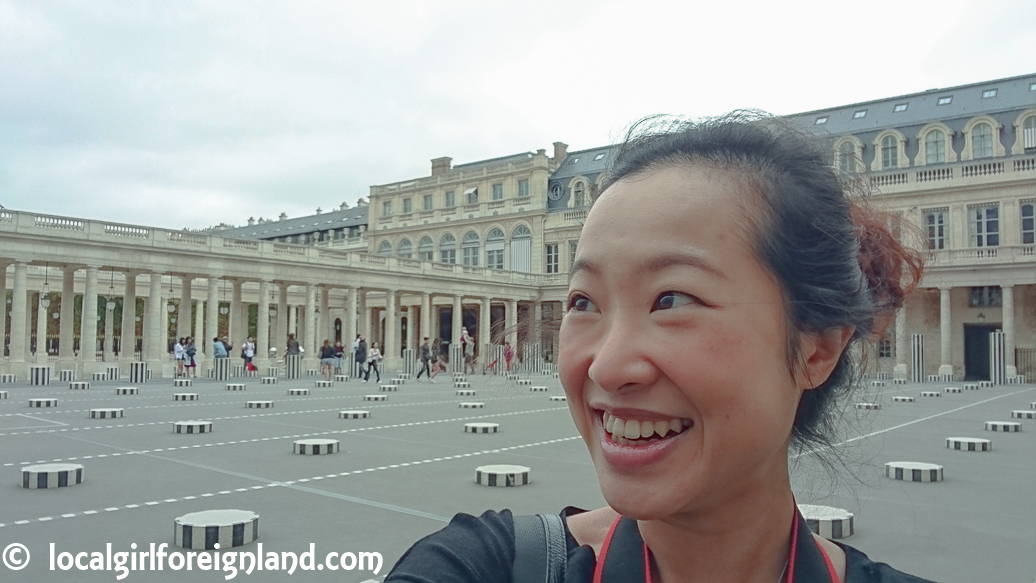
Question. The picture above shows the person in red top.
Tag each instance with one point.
(720, 285)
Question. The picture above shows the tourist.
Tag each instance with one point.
(722, 284)
(467, 344)
(361, 355)
(327, 359)
(426, 361)
(248, 353)
(191, 365)
(178, 353)
(373, 358)
(219, 349)
(339, 355)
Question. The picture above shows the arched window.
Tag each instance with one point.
(935, 147)
(425, 249)
(847, 158)
(1029, 134)
(495, 249)
(385, 248)
(448, 249)
(406, 249)
(889, 153)
(521, 249)
(982, 141)
(470, 249)
(579, 194)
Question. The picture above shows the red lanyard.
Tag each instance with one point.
(807, 561)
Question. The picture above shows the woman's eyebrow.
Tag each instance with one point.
(660, 262)
(581, 265)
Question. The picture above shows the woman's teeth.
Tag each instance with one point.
(624, 430)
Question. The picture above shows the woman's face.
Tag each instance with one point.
(673, 347)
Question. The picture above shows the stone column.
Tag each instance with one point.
(88, 326)
(945, 333)
(349, 322)
(293, 323)
(3, 306)
(236, 332)
(458, 319)
(41, 330)
(391, 347)
(511, 333)
(199, 329)
(536, 333)
(426, 315)
(1011, 369)
(19, 328)
(484, 331)
(211, 317)
(281, 335)
(900, 370)
(66, 331)
(165, 324)
(262, 331)
(153, 325)
(364, 318)
(327, 323)
(183, 315)
(128, 341)
(109, 331)
(309, 340)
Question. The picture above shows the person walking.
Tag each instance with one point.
(339, 355)
(439, 362)
(467, 344)
(327, 359)
(426, 360)
(248, 353)
(373, 357)
(361, 355)
(178, 352)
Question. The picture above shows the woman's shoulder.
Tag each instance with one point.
(861, 569)
(468, 549)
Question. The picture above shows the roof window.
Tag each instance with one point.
(900, 107)
(944, 100)
(859, 114)
(599, 156)
(988, 93)
(820, 120)
(575, 160)
(1032, 86)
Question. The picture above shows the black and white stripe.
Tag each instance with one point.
(185, 396)
(472, 405)
(258, 404)
(868, 406)
(139, 372)
(216, 529)
(99, 376)
(1023, 414)
(235, 386)
(355, 414)
(481, 427)
(298, 392)
(268, 381)
(43, 402)
(902, 399)
(465, 392)
(968, 444)
(1003, 426)
(375, 397)
(182, 382)
(221, 369)
(79, 385)
(49, 476)
(316, 446)
(324, 384)
(67, 376)
(830, 523)
(917, 358)
(192, 427)
(931, 393)
(39, 376)
(126, 390)
(107, 413)
(914, 471)
(502, 476)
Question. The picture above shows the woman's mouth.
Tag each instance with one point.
(632, 432)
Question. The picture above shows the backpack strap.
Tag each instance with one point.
(540, 550)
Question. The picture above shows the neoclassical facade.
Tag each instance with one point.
(487, 246)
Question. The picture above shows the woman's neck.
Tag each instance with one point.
(745, 540)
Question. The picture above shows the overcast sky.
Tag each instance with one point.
(188, 114)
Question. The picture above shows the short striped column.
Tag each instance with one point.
(462, 384)
(899, 381)
(502, 475)
(185, 396)
(113, 373)
(914, 472)
(99, 376)
(7, 378)
(1023, 414)
(341, 378)
(952, 390)
(3, 394)
(481, 427)
(67, 376)
(324, 384)
(78, 385)
(293, 366)
(409, 362)
(970, 386)
(43, 403)
(139, 372)
(192, 427)
(215, 529)
(316, 446)
(49, 476)
(273, 371)
(238, 370)
(968, 444)
(560, 398)
(902, 399)
(997, 358)
(985, 384)
(375, 397)
(931, 393)
(388, 388)
(183, 382)
(312, 372)
(828, 522)
(39, 376)
(538, 389)
(258, 404)
(354, 414)
(917, 358)
(465, 392)
(472, 405)
(1003, 426)
(298, 392)
(868, 406)
(456, 358)
(235, 386)
(221, 369)
(524, 382)
(107, 413)
(268, 381)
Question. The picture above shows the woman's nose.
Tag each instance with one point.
(622, 359)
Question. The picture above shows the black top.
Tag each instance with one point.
(327, 351)
(481, 550)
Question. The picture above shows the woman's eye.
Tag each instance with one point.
(578, 303)
(672, 299)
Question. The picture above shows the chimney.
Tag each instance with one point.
(343, 206)
(361, 202)
(251, 222)
(319, 210)
(560, 152)
(441, 166)
(541, 152)
(282, 217)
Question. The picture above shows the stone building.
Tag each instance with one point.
(487, 246)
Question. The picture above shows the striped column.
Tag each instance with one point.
(221, 368)
(456, 357)
(293, 364)
(917, 358)
(138, 372)
(997, 358)
(410, 362)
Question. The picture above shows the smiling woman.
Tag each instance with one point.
(721, 281)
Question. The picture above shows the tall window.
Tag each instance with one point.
(885, 347)
(408, 206)
(470, 249)
(579, 194)
(989, 296)
(448, 249)
(1028, 209)
(982, 141)
(427, 200)
(450, 199)
(521, 249)
(985, 225)
(935, 223)
(847, 157)
(572, 246)
(935, 147)
(425, 249)
(552, 257)
(1029, 134)
(889, 153)
(406, 249)
(495, 249)
(385, 248)
(386, 208)
(471, 196)
(523, 187)
(498, 191)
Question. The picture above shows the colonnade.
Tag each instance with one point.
(213, 312)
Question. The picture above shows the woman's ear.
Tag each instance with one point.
(819, 353)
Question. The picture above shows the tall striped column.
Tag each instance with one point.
(997, 358)
(410, 362)
(917, 358)
(128, 338)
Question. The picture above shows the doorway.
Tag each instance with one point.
(976, 351)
